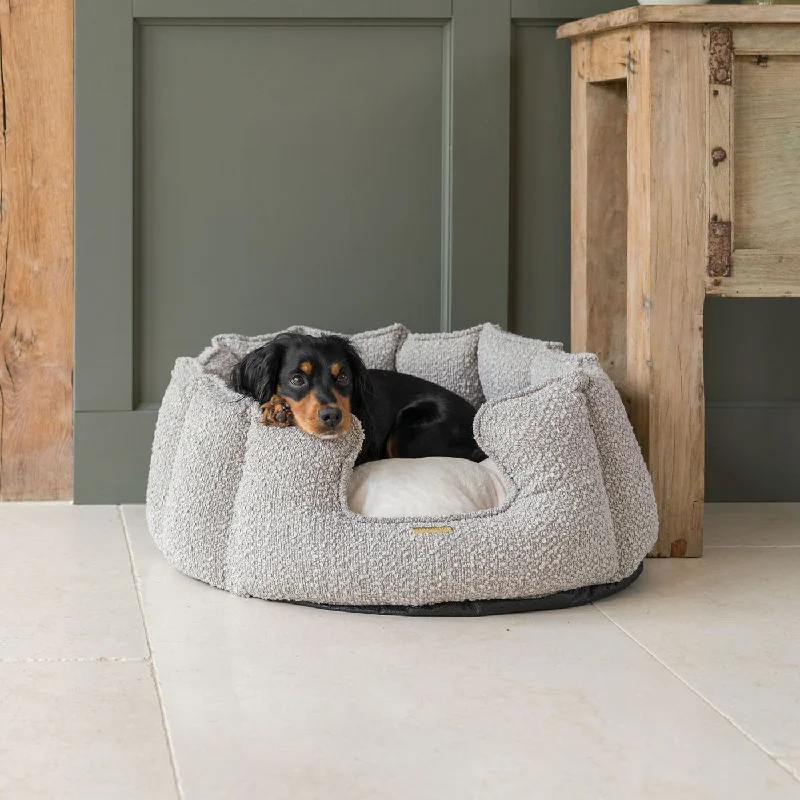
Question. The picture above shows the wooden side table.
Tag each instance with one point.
(685, 182)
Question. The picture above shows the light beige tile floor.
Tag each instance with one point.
(82, 729)
(66, 575)
(685, 686)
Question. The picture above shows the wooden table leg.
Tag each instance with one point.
(599, 206)
(667, 241)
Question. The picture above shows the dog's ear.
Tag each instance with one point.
(360, 399)
(256, 375)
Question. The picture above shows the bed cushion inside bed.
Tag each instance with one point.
(425, 487)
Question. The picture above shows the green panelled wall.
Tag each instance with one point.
(251, 164)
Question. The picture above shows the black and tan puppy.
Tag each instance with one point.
(318, 382)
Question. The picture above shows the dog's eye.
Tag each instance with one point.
(343, 378)
(298, 380)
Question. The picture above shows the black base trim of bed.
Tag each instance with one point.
(485, 608)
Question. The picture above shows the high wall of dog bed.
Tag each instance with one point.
(263, 512)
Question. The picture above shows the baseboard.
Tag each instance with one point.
(112, 455)
(753, 452)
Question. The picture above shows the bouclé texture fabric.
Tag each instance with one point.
(449, 359)
(378, 348)
(263, 511)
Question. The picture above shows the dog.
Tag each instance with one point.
(318, 383)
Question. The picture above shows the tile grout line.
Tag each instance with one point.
(788, 768)
(728, 719)
(76, 660)
(153, 669)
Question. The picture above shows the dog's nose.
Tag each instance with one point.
(330, 416)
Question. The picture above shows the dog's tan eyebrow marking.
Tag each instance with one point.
(336, 369)
(305, 366)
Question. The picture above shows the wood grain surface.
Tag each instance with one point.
(36, 264)
(767, 153)
(683, 14)
(606, 227)
(599, 210)
(759, 273)
(667, 246)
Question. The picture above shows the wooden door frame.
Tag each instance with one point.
(36, 266)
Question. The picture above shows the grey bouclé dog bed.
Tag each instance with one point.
(263, 511)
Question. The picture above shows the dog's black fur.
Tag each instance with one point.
(318, 382)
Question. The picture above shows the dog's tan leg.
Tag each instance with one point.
(276, 412)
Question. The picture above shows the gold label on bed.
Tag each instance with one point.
(434, 529)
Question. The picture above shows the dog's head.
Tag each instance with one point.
(322, 378)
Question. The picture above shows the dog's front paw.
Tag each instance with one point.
(276, 412)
